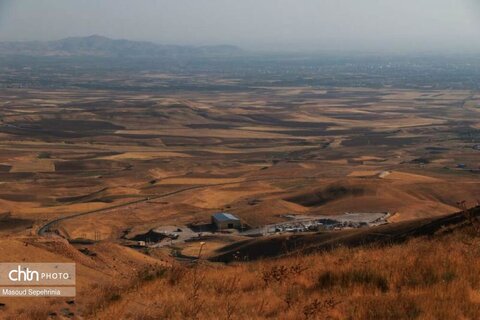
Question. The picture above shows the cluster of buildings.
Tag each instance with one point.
(311, 224)
(320, 224)
(223, 221)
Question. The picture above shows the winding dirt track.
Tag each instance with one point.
(46, 227)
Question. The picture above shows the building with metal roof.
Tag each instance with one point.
(224, 220)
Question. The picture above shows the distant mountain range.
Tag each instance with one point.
(99, 46)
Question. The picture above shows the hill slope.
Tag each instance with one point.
(98, 46)
(424, 278)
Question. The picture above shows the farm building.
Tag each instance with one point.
(225, 220)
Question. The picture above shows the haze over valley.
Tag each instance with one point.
(191, 168)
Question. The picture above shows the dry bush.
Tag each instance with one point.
(319, 309)
(282, 273)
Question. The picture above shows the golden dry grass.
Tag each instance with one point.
(423, 279)
(33, 165)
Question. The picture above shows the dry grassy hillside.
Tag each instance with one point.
(423, 279)
(435, 277)
(100, 269)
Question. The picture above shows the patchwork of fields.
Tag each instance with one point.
(260, 154)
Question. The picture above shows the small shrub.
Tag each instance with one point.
(282, 273)
(317, 307)
(275, 274)
(147, 274)
(312, 309)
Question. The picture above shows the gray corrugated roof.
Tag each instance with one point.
(224, 216)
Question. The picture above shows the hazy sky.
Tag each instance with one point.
(365, 25)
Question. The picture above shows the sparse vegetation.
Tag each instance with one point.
(435, 278)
